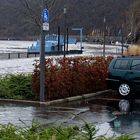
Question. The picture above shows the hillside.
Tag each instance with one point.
(88, 14)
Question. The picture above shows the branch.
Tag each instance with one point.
(31, 12)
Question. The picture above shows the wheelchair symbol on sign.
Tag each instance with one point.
(45, 15)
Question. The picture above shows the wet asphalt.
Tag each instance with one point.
(119, 115)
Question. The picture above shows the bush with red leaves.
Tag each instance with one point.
(65, 77)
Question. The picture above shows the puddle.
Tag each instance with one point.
(119, 115)
(13, 113)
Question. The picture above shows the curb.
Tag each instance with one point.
(59, 101)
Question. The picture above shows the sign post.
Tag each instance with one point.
(44, 27)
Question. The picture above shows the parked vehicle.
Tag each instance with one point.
(124, 75)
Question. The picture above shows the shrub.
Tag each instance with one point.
(73, 76)
(133, 50)
(16, 86)
(38, 132)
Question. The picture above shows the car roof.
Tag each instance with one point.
(128, 57)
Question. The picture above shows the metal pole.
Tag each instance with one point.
(104, 37)
(58, 38)
(81, 37)
(122, 40)
(42, 61)
(65, 11)
(67, 39)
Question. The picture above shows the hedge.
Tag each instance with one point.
(65, 77)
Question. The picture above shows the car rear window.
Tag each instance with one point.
(135, 65)
(121, 64)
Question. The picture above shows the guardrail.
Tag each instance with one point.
(18, 55)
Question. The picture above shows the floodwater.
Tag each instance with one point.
(25, 65)
(54, 115)
(14, 46)
(110, 115)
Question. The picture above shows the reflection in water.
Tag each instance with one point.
(10, 112)
(13, 114)
(128, 118)
(124, 106)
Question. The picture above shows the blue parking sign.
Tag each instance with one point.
(45, 16)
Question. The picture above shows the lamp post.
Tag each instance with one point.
(65, 12)
(104, 37)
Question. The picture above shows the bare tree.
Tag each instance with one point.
(134, 20)
(32, 9)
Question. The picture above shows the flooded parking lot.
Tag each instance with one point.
(108, 113)
(55, 115)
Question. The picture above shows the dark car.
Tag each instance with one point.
(124, 75)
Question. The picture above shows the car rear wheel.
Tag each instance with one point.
(124, 89)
